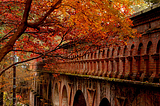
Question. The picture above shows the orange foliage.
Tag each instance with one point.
(39, 28)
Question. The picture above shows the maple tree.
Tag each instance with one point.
(23, 81)
(43, 28)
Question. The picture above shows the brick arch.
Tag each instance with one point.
(132, 49)
(142, 100)
(79, 99)
(94, 55)
(158, 47)
(124, 50)
(112, 67)
(103, 53)
(56, 95)
(148, 62)
(64, 96)
(104, 102)
(99, 53)
(118, 51)
(108, 53)
(113, 50)
(140, 48)
(149, 47)
(91, 55)
(130, 60)
(139, 62)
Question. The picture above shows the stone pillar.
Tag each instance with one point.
(136, 73)
(122, 67)
(116, 72)
(110, 67)
(155, 75)
(145, 73)
(130, 66)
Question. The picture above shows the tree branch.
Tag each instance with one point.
(20, 30)
(26, 11)
(19, 63)
(34, 25)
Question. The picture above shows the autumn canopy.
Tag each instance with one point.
(41, 28)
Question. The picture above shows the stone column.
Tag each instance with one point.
(155, 75)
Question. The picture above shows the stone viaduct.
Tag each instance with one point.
(115, 76)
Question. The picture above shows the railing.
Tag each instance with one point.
(136, 67)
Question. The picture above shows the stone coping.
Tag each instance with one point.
(149, 84)
(146, 83)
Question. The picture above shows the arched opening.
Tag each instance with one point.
(91, 62)
(147, 60)
(79, 99)
(94, 64)
(112, 63)
(108, 53)
(119, 48)
(124, 60)
(149, 47)
(124, 52)
(158, 47)
(132, 48)
(99, 62)
(139, 61)
(107, 60)
(156, 58)
(140, 49)
(104, 102)
(64, 97)
(131, 61)
(117, 61)
(56, 96)
(103, 56)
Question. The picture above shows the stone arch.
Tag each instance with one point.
(56, 95)
(64, 96)
(104, 102)
(79, 99)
